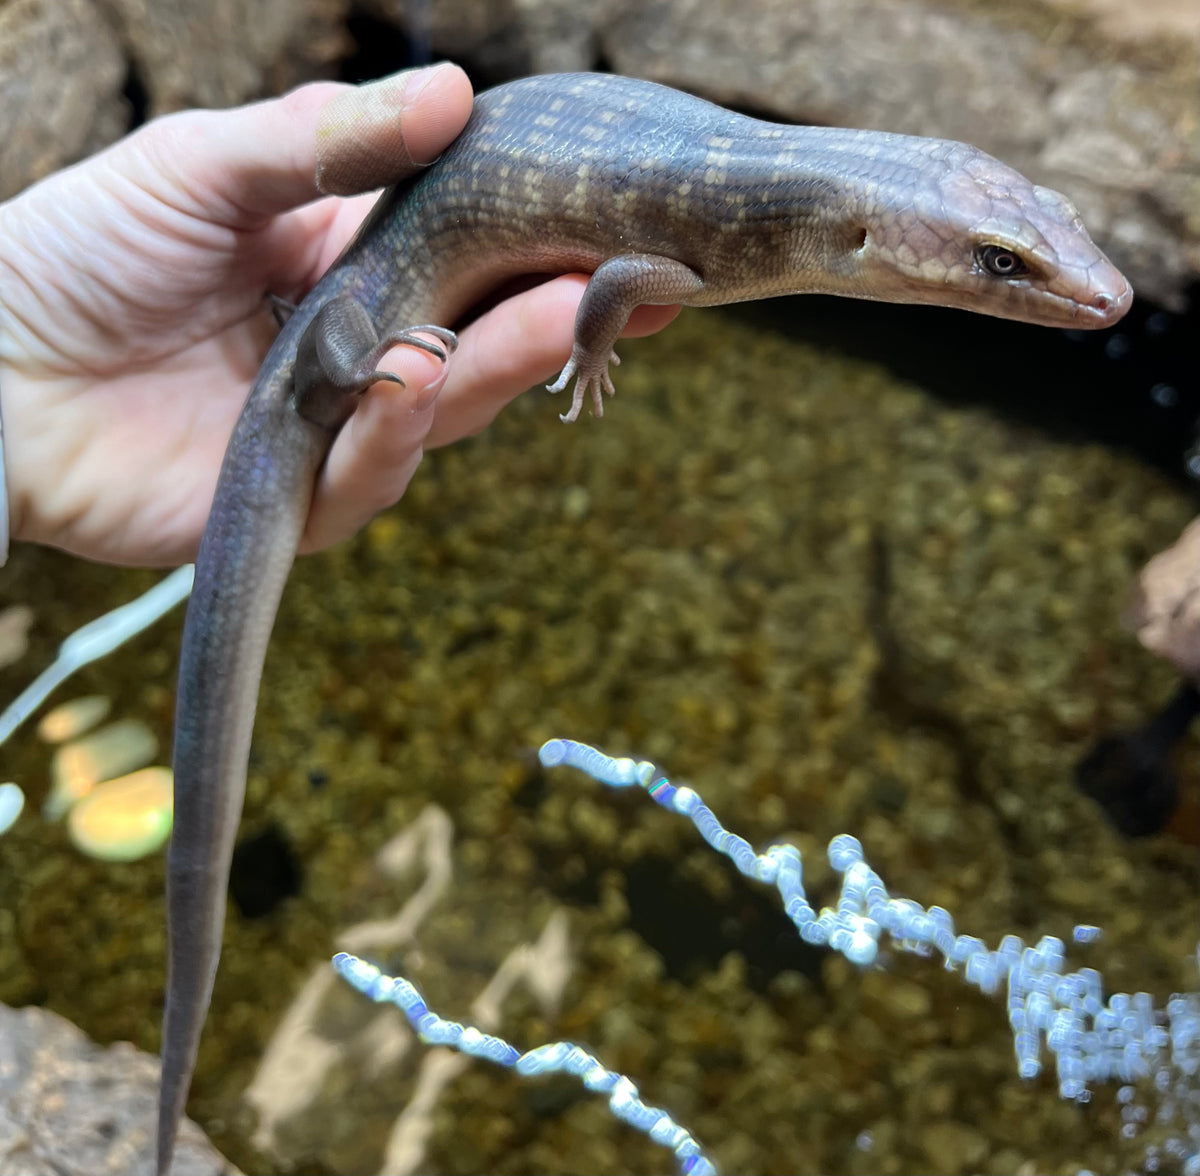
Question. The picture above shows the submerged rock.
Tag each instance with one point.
(73, 718)
(79, 766)
(14, 633)
(124, 819)
(12, 801)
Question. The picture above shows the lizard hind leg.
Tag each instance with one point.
(337, 354)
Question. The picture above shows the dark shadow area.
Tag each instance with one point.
(134, 92)
(1133, 387)
(693, 932)
(379, 49)
(687, 926)
(265, 872)
(1129, 773)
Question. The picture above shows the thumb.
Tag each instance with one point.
(378, 134)
(269, 157)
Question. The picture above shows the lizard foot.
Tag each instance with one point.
(364, 374)
(590, 375)
(337, 354)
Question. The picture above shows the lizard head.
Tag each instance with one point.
(976, 234)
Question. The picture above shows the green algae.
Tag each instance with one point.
(823, 598)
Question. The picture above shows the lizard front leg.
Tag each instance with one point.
(617, 287)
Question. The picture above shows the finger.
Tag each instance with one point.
(262, 159)
(377, 451)
(368, 137)
(525, 341)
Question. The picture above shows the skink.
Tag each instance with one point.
(662, 198)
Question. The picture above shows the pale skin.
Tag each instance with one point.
(134, 320)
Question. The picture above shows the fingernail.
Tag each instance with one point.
(419, 79)
(423, 80)
(427, 395)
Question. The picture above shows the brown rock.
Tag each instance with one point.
(1164, 607)
(1093, 97)
(61, 72)
(952, 1147)
(69, 1107)
(64, 64)
(222, 52)
(15, 622)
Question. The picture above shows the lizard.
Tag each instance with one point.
(662, 198)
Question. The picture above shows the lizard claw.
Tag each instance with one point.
(337, 353)
(589, 376)
(281, 309)
(410, 338)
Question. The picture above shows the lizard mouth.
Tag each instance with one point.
(1091, 312)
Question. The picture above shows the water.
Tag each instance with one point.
(828, 600)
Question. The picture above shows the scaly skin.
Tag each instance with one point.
(663, 198)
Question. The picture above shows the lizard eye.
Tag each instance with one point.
(1000, 262)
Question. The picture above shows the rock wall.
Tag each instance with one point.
(68, 1105)
(1096, 98)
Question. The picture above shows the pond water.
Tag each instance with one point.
(823, 597)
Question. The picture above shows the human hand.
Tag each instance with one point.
(132, 290)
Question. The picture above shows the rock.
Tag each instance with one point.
(61, 73)
(1164, 606)
(222, 52)
(1093, 97)
(69, 1107)
(15, 623)
(65, 65)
